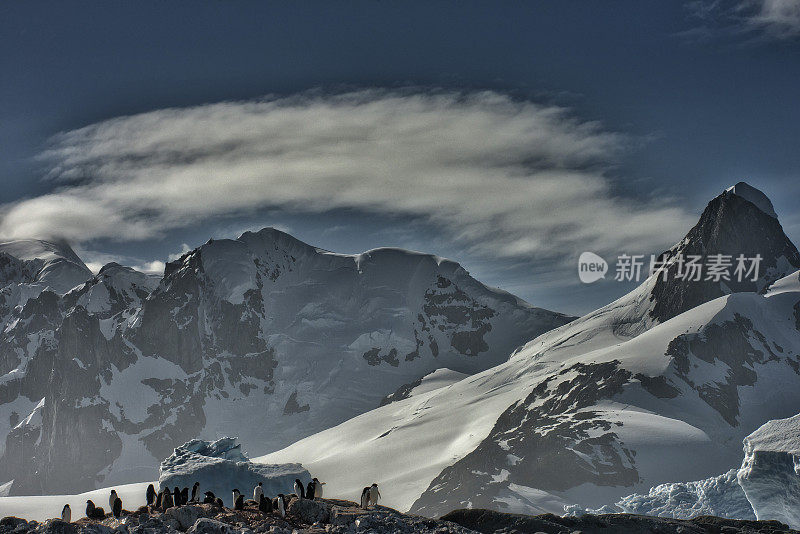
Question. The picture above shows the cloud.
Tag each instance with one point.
(95, 260)
(184, 249)
(773, 19)
(502, 176)
(780, 18)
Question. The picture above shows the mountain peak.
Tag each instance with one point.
(755, 196)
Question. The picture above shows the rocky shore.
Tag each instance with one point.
(338, 516)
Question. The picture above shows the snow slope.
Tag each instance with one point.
(638, 393)
(42, 507)
(49, 265)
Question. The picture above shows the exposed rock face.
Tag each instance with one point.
(730, 225)
(264, 337)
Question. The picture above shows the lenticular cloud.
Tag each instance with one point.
(502, 176)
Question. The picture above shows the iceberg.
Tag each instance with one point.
(220, 466)
(770, 472)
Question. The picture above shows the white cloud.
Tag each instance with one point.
(773, 19)
(504, 177)
(95, 260)
(184, 249)
(780, 18)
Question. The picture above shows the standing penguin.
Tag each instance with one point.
(66, 514)
(374, 494)
(238, 500)
(159, 499)
(318, 488)
(116, 510)
(176, 496)
(365, 498)
(112, 498)
(310, 490)
(282, 504)
(151, 495)
(194, 491)
(166, 501)
(94, 512)
(264, 504)
(185, 496)
(298, 489)
(258, 491)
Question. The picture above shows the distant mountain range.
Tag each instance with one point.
(661, 385)
(261, 337)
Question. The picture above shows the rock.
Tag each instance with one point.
(56, 526)
(186, 516)
(309, 511)
(12, 524)
(205, 525)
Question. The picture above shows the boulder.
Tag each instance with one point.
(8, 525)
(56, 526)
(205, 525)
(186, 516)
(309, 511)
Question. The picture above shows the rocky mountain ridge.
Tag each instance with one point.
(263, 336)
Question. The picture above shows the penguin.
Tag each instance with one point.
(220, 503)
(94, 512)
(365, 498)
(66, 514)
(282, 504)
(112, 498)
(258, 491)
(176, 496)
(264, 504)
(151, 495)
(298, 489)
(238, 504)
(209, 498)
(194, 491)
(374, 494)
(166, 501)
(318, 488)
(159, 498)
(116, 510)
(185, 496)
(236, 495)
(310, 492)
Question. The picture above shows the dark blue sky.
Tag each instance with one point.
(699, 113)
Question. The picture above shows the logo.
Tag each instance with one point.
(591, 267)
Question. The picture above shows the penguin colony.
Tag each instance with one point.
(165, 499)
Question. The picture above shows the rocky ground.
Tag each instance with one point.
(303, 516)
(330, 515)
(487, 521)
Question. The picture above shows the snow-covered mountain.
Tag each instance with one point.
(661, 385)
(262, 337)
